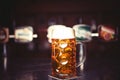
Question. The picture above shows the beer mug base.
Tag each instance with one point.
(63, 76)
(78, 76)
(69, 78)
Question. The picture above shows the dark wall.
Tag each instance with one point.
(102, 11)
(40, 14)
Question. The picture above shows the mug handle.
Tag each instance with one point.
(82, 54)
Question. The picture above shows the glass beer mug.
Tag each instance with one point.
(63, 57)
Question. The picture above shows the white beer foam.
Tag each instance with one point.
(50, 30)
(63, 33)
(59, 32)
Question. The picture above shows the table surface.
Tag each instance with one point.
(102, 63)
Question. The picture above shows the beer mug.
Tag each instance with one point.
(82, 32)
(4, 35)
(63, 57)
(107, 33)
(23, 34)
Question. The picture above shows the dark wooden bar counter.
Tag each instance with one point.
(102, 62)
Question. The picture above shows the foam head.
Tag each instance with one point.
(63, 33)
(50, 30)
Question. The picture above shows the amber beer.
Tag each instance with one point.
(63, 53)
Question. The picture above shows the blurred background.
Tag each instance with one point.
(31, 61)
